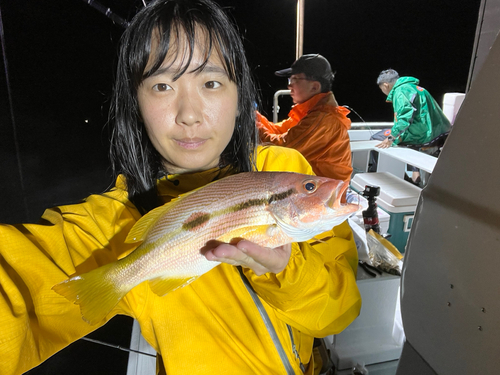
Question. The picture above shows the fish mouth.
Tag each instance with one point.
(334, 201)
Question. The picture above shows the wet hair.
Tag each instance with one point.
(387, 76)
(163, 21)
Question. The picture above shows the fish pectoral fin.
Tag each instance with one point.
(255, 233)
(316, 239)
(163, 286)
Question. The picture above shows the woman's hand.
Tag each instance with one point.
(250, 255)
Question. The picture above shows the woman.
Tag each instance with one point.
(183, 111)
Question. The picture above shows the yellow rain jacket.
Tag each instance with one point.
(211, 326)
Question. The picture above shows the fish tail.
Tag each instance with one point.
(95, 292)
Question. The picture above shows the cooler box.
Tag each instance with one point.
(397, 197)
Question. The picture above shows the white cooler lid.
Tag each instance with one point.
(396, 194)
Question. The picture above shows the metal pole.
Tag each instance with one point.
(300, 28)
(276, 107)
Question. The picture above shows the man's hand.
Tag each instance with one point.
(386, 143)
(250, 255)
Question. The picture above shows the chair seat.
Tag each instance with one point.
(436, 142)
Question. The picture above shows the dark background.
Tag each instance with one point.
(57, 71)
(61, 56)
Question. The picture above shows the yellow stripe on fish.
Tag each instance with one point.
(268, 208)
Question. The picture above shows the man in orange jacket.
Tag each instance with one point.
(317, 126)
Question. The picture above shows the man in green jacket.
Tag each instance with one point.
(418, 118)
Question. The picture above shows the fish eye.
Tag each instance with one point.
(310, 186)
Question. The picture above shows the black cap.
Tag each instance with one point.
(312, 65)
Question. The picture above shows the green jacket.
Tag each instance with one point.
(417, 116)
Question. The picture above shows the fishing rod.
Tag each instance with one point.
(109, 13)
(117, 347)
(12, 118)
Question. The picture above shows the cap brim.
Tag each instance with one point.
(284, 72)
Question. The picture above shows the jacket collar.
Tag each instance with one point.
(299, 111)
(174, 185)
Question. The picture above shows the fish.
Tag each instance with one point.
(270, 209)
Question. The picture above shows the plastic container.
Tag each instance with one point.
(397, 197)
(374, 337)
(451, 104)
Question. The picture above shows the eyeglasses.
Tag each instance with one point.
(293, 80)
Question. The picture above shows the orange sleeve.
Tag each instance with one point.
(271, 132)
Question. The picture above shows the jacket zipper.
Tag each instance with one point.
(268, 324)
(294, 349)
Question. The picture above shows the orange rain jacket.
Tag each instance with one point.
(318, 129)
(211, 326)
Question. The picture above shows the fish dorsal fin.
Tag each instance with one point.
(162, 286)
(141, 228)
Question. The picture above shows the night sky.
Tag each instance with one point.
(61, 56)
(63, 51)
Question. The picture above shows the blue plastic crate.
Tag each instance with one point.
(397, 197)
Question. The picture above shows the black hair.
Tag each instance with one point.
(326, 84)
(132, 153)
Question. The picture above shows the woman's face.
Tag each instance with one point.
(190, 121)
